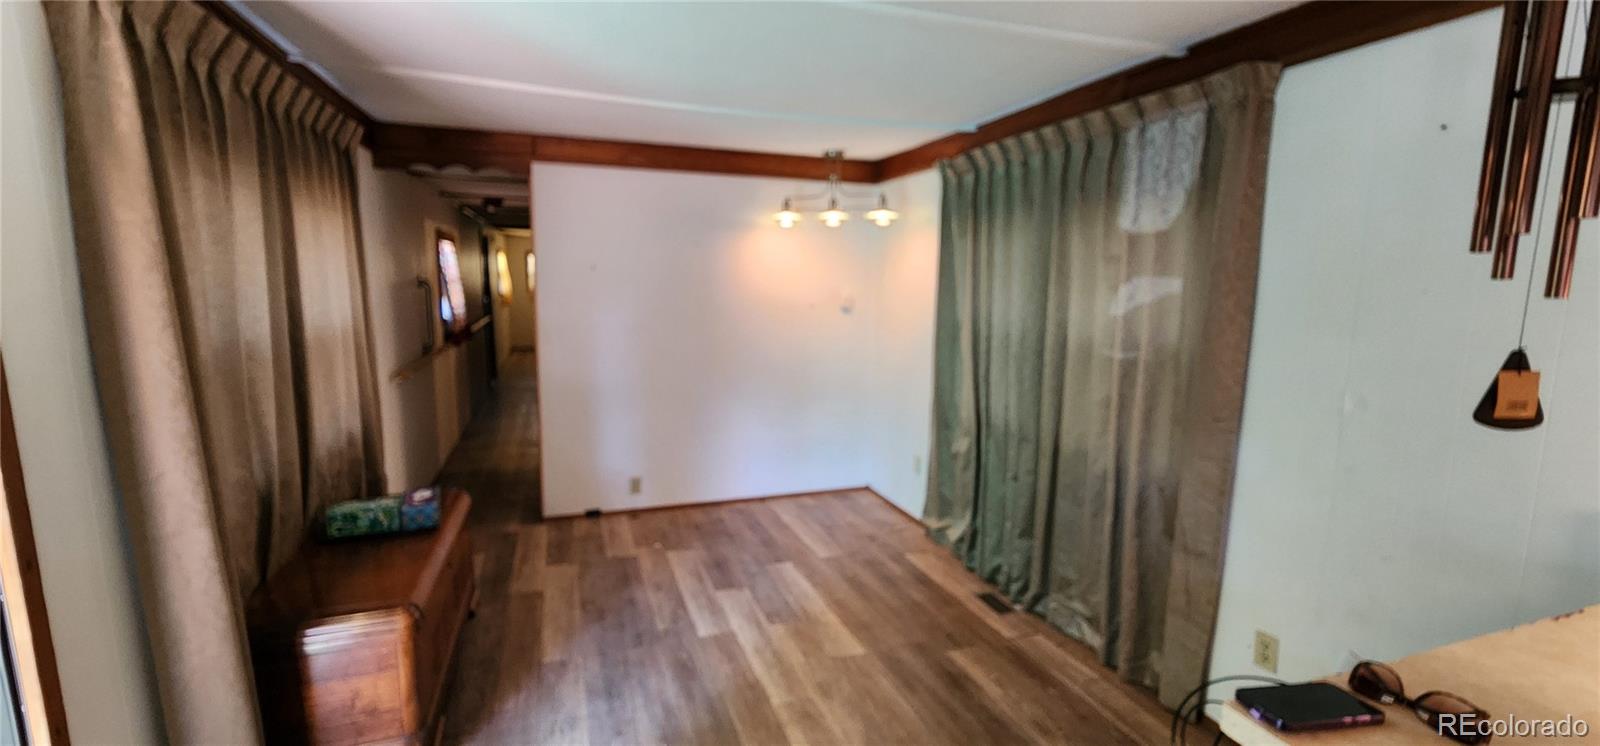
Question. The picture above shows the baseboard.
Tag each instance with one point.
(729, 501)
(892, 504)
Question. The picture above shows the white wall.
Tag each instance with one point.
(424, 415)
(901, 396)
(101, 648)
(1370, 513)
(688, 341)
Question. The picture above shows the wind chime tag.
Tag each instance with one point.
(1517, 395)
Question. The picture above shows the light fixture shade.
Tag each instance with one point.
(883, 216)
(786, 218)
(833, 216)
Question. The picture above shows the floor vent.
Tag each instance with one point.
(995, 602)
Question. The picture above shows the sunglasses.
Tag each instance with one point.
(1442, 711)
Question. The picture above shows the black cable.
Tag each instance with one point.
(1178, 713)
(1172, 733)
(1183, 732)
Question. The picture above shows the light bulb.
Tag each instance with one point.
(786, 217)
(833, 216)
(883, 216)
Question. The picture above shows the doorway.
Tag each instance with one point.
(497, 457)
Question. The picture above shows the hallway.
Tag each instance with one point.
(497, 458)
(497, 462)
(827, 618)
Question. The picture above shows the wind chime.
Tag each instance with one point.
(1526, 86)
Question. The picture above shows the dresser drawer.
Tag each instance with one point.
(439, 626)
(358, 678)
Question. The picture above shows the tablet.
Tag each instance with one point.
(1314, 706)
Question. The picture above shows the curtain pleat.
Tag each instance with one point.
(213, 199)
(1096, 287)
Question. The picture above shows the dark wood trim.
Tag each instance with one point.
(729, 501)
(1300, 34)
(29, 601)
(223, 12)
(404, 145)
(710, 160)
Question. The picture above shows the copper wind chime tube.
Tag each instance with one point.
(1580, 185)
(1525, 87)
(1494, 147)
(1527, 139)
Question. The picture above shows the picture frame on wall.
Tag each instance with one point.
(452, 296)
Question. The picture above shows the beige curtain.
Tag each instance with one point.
(213, 200)
(1096, 287)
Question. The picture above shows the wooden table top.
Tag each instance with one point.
(355, 575)
(1544, 669)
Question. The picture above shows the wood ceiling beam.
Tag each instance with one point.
(678, 158)
(1300, 34)
(403, 145)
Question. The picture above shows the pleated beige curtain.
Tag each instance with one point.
(1096, 291)
(213, 202)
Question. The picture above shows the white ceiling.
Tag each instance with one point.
(787, 77)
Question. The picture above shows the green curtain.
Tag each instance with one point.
(1096, 290)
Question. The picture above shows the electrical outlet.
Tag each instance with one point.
(1266, 652)
(635, 484)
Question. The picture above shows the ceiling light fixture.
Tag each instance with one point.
(787, 217)
(835, 215)
(883, 216)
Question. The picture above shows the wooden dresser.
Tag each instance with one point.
(352, 641)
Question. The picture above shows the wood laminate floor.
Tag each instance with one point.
(821, 619)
